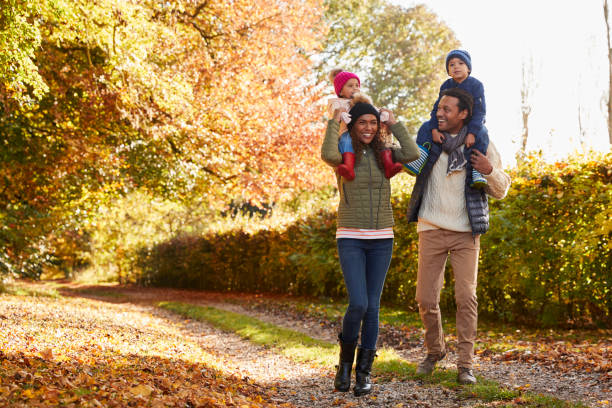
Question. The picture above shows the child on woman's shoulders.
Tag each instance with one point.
(347, 85)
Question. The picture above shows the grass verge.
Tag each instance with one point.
(16, 290)
(302, 348)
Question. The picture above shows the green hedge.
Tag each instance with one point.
(545, 261)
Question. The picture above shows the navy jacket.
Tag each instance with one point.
(475, 199)
(476, 89)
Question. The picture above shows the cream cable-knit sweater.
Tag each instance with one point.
(439, 211)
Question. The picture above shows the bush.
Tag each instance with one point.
(545, 261)
(547, 256)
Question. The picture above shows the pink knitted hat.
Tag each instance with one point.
(341, 79)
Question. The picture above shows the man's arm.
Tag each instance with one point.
(490, 166)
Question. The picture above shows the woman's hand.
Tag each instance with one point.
(391, 121)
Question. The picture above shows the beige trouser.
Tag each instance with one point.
(434, 248)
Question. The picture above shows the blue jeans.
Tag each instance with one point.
(364, 265)
(345, 145)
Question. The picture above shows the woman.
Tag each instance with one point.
(364, 231)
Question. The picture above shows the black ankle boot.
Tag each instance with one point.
(345, 365)
(363, 367)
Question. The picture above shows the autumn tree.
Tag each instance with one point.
(408, 61)
(189, 100)
(606, 11)
(400, 51)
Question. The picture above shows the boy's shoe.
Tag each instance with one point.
(427, 366)
(478, 181)
(415, 167)
(465, 376)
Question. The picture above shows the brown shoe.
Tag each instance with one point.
(427, 366)
(465, 376)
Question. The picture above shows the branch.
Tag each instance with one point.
(198, 9)
(211, 172)
(605, 6)
(241, 31)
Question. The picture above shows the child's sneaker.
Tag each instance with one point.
(415, 167)
(478, 181)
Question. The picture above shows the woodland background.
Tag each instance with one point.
(177, 144)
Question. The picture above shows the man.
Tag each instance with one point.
(450, 218)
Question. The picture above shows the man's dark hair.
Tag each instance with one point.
(466, 102)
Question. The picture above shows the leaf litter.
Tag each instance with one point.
(79, 352)
(285, 383)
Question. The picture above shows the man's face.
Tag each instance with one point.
(450, 119)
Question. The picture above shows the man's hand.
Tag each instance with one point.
(437, 136)
(481, 163)
(470, 139)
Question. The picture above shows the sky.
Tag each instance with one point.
(565, 44)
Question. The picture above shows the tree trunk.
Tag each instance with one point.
(525, 134)
(526, 88)
(605, 6)
(581, 129)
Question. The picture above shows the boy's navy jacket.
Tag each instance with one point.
(476, 89)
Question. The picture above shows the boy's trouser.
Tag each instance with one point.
(481, 144)
(434, 248)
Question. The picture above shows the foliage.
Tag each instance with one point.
(195, 102)
(558, 273)
(408, 65)
(549, 252)
(19, 39)
(399, 51)
(139, 219)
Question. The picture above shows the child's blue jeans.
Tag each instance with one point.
(346, 143)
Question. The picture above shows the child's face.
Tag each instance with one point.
(458, 69)
(350, 88)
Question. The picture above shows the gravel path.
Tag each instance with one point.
(304, 385)
(307, 386)
(289, 383)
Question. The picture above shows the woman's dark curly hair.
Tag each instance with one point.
(380, 141)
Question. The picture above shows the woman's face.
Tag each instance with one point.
(366, 127)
